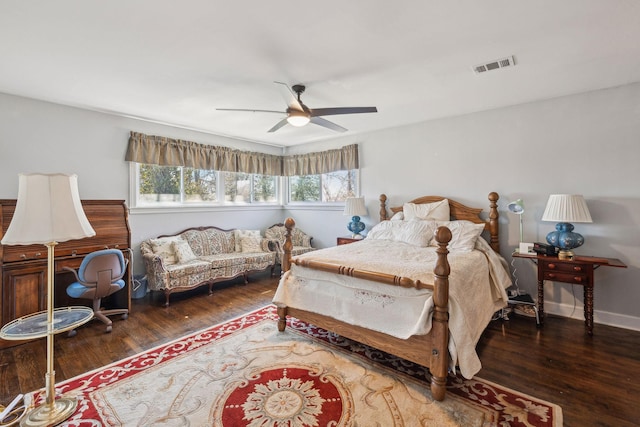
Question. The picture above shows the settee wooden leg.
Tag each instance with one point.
(245, 276)
(166, 298)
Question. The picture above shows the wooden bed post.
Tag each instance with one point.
(289, 223)
(440, 328)
(493, 221)
(383, 207)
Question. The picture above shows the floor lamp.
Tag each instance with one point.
(48, 211)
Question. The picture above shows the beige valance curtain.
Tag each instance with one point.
(345, 158)
(159, 150)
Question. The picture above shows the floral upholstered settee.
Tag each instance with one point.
(204, 255)
(301, 241)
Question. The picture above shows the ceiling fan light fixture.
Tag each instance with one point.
(298, 118)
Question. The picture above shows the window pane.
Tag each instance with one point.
(159, 184)
(264, 188)
(337, 186)
(305, 188)
(199, 185)
(237, 187)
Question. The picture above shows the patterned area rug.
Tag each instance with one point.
(246, 373)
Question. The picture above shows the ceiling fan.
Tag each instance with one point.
(299, 114)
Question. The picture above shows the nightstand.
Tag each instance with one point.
(577, 271)
(346, 240)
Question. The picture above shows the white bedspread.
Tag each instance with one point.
(477, 286)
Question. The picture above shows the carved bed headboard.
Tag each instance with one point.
(458, 211)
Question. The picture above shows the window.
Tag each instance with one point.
(249, 188)
(159, 186)
(199, 185)
(326, 187)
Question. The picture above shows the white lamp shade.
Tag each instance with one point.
(48, 210)
(566, 208)
(354, 206)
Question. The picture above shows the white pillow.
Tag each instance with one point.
(416, 233)
(239, 234)
(183, 251)
(164, 249)
(438, 211)
(398, 216)
(463, 234)
(251, 243)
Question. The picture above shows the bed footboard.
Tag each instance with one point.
(429, 350)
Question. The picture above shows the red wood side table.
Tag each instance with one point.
(577, 271)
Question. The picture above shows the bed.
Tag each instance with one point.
(359, 299)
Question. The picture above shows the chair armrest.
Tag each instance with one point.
(75, 273)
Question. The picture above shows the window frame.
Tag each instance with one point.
(283, 198)
(182, 206)
(289, 203)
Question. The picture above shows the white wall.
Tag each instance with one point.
(586, 143)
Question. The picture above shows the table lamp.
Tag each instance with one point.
(565, 209)
(355, 208)
(48, 211)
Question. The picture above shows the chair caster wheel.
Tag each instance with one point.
(125, 316)
(109, 328)
(72, 333)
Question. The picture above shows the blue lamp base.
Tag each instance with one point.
(565, 239)
(356, 227)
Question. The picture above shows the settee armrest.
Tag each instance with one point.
(153, 262)
(271, 245)
(298, 238)
(304, 239)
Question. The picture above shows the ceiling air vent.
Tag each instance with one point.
(494, 65)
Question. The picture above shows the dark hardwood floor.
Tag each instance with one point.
(596, 380)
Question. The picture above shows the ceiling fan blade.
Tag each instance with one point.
(326, 123)
(251, 110)
(289, 96)
(341, 110)
(278, 125)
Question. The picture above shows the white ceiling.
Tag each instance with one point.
(175, 62)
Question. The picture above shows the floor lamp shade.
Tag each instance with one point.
(48, 210)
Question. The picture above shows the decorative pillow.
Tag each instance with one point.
(463, 234)
(438, 211)
(164, 249)
(416, 233)
(183, 251)
(251, 243)
(239, 234)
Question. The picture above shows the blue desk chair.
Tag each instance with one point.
(100, 275)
